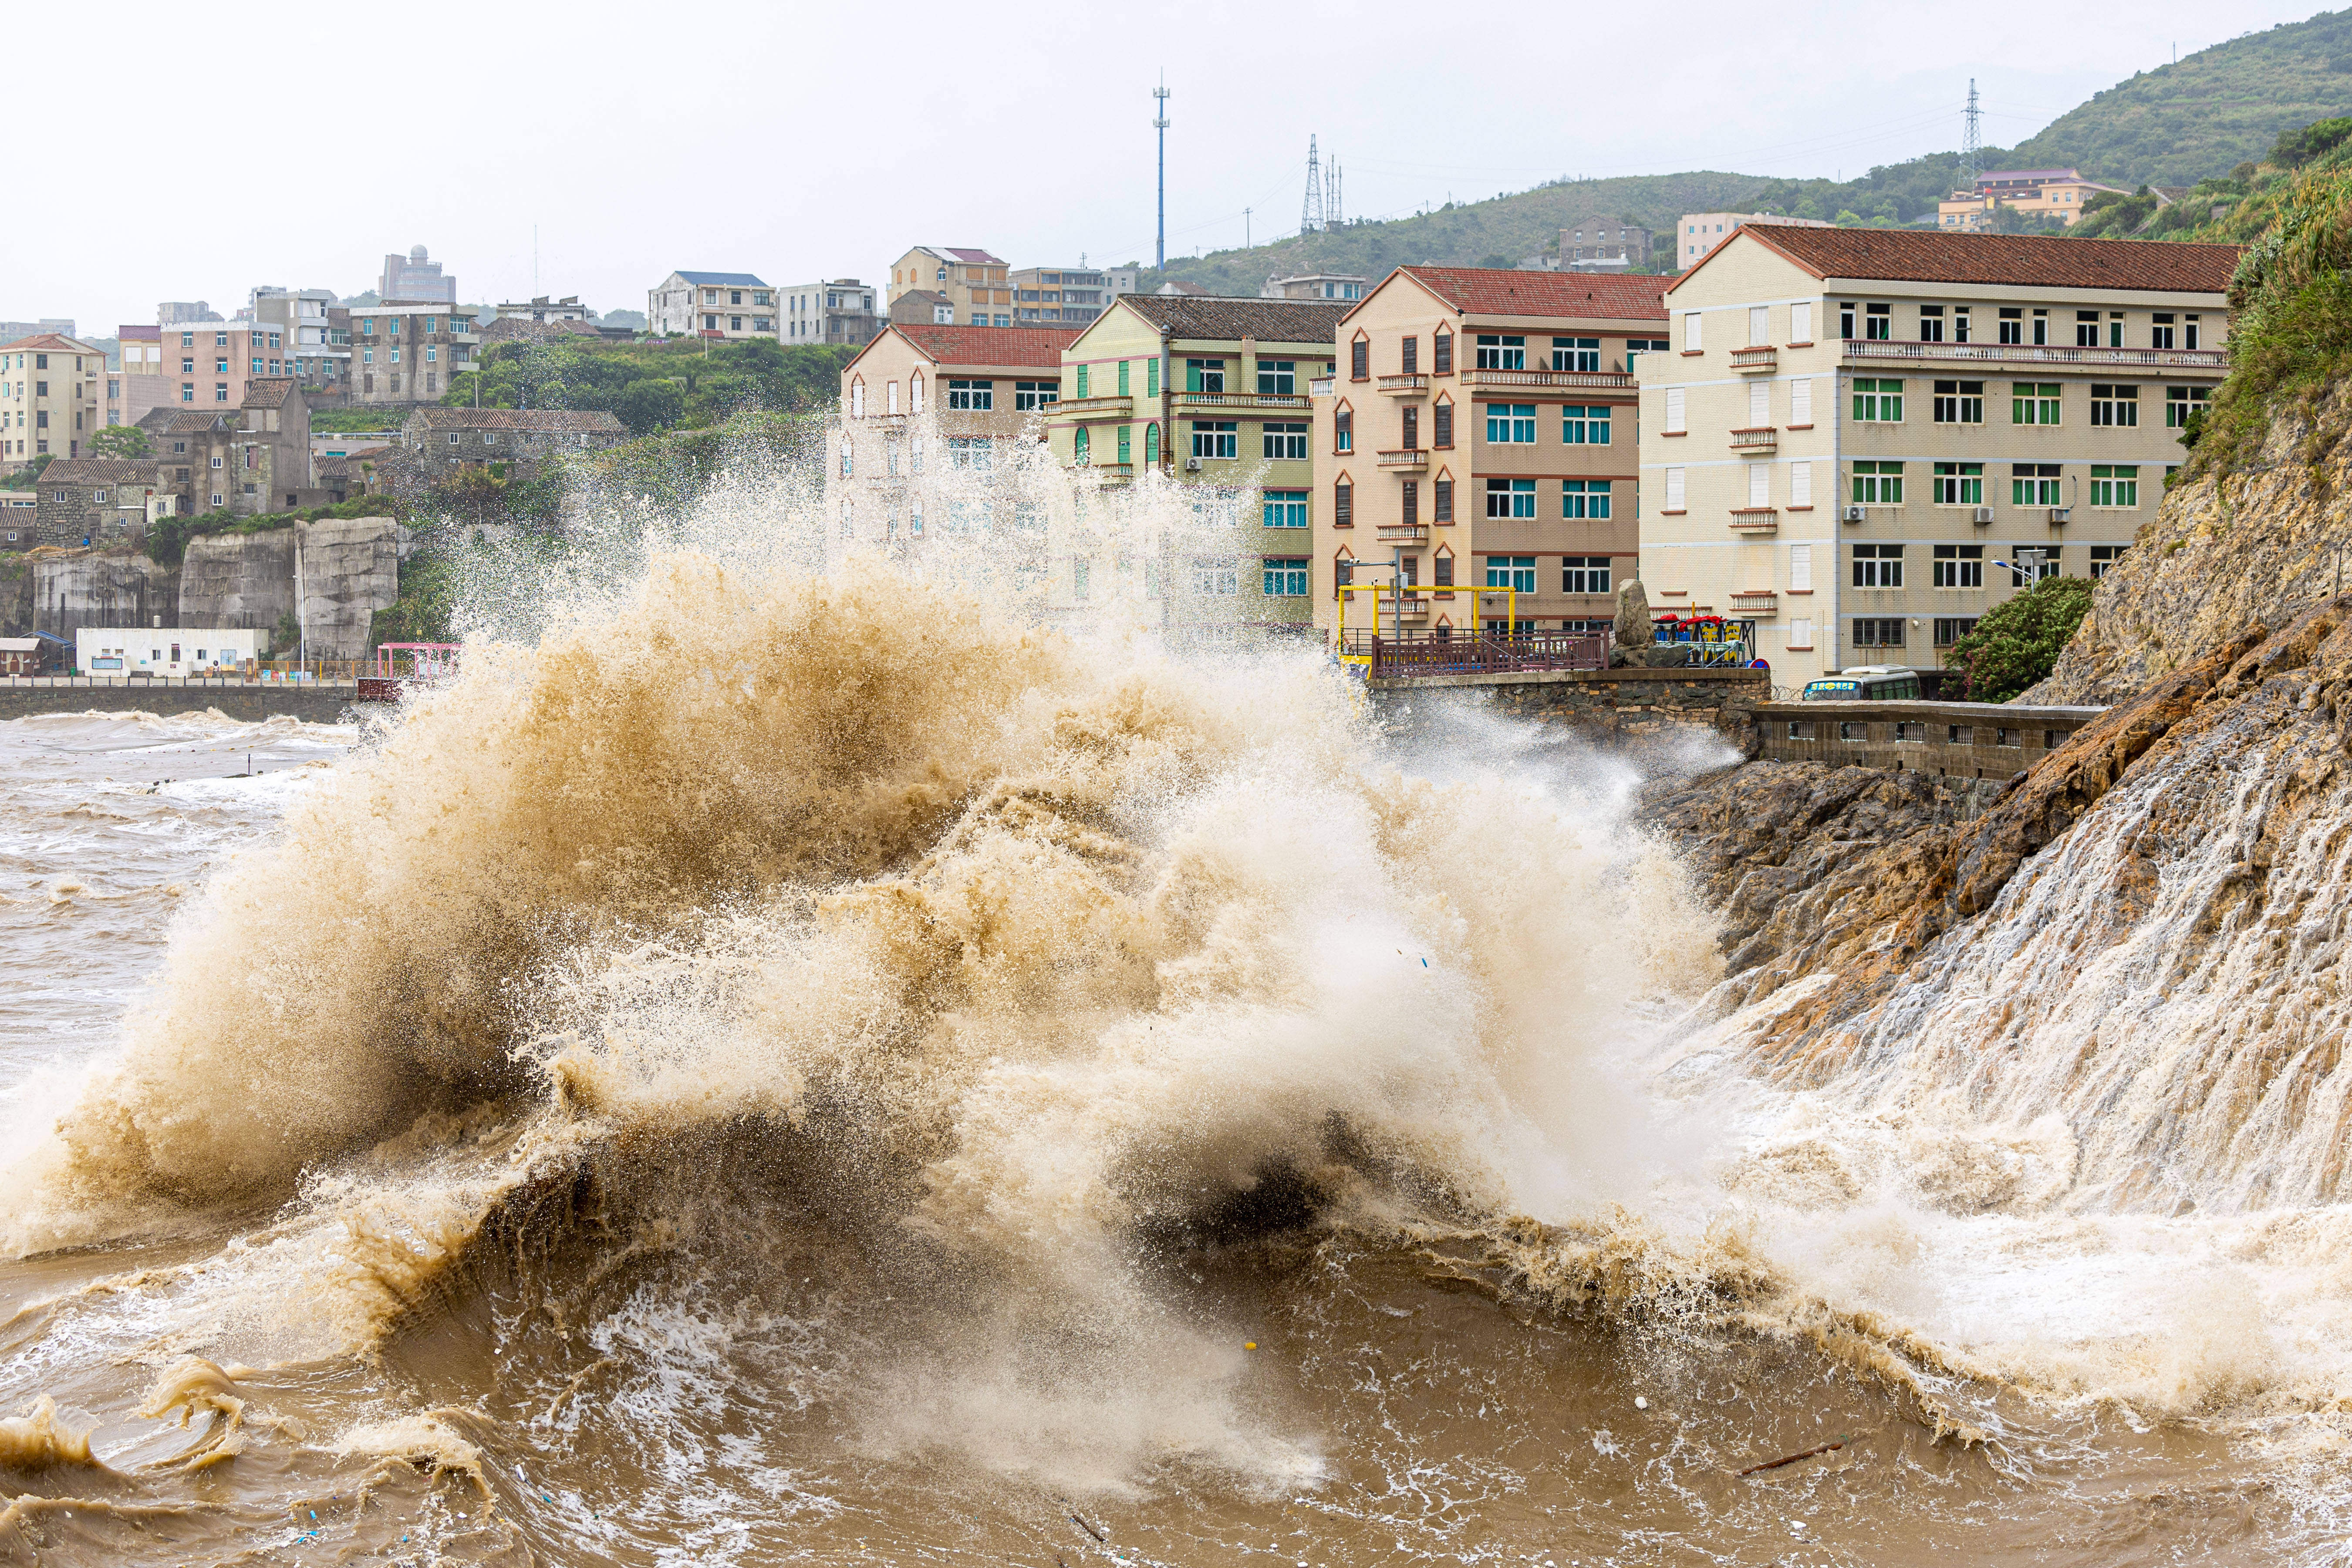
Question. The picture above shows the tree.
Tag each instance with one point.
(645, 407)
(121, 441)
(2017, 643)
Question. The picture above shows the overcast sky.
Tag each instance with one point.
(202, 150)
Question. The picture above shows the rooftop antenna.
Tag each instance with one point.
(1160, 123)
(1971, 142)
(1334, 187)
(1310, 211)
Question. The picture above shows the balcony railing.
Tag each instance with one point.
(1467, 652)
(1320, 386)
(1404, 386)
(1404, 532)
(1756, 439)
(1284, 400)
(1417, 457)
(1411, 606)
(1763, 357)
(2213, 360)
(1116, 403)
(1588, 379)
(1757, 601)
(1755, 519)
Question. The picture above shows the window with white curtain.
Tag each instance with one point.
(1760, 325)
(1800, 401)
(1801, 322)
(1800, 484)
(1801, 568)
(1673, 489)
(1674, 411)
(1691, 332)
(1759, 484)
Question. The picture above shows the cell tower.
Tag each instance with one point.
(1160, 123)
(1310, 211)
(1334, 213)
(1971, 142)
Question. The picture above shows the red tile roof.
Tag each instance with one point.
(1503, 291)
(2047, 261)
(963, 255)
(49, 343)
(1039, 347)
(100, 471)
(268, 392)
(597, 422)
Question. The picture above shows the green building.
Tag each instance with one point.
(1211, 393)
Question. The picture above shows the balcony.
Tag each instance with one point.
(1407, 609)
(1755, 439)
(1120, 406)
(1763, 358)
(2214, 360)
(1287, 402)
(1755, 602)
(1416, 459)
(1757, 519)
(1107, 473)
(1403, 532)
(1404, 386)
(1320, 386)
(1584, 380)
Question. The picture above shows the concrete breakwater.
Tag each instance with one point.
(324, 702)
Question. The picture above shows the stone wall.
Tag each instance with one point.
(247, 704)
(1610, 707)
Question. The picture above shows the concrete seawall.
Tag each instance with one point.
(250, 704)
(1607, 706)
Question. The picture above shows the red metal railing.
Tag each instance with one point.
(1480, 653)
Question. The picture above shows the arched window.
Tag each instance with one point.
(1151, 442)
(892, 399)
(918, 391)
(845, 463)
(856, 401)
(848, 520)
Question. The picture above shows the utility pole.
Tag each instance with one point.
(1971, 144)
(1245, 227)
(1160, 123)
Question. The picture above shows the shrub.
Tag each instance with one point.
(2016, 644)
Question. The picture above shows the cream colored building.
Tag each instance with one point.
(1478, 432)
(51, 389)
(1864, 439)
(977, 285)
(713, 305)
(930, 416)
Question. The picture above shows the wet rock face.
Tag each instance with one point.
(2143, 935)
(2261, 545)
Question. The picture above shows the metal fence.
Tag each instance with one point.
(1391, 656)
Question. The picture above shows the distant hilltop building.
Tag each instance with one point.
(1316, 286)
(415, 278)
(713, 305)
(977, 284)
(1702, 232)
(62, 326)
(2045, 192)
(1593, 244)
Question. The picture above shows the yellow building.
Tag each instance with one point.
(2044, 192)
(977, 285)
(50, 389)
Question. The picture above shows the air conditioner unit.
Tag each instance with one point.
(1857, 514)
(1982, 514)
(1192, 465)
(2060, 514)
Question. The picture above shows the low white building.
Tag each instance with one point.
(165, 650)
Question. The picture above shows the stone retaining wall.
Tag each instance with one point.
(248, 704)
(1612, 707)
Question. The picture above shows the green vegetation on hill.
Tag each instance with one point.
(653, 387)
(2017, 643)
(2213, 110)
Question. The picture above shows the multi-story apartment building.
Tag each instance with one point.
(929, 418)
(417, 278)
(93, 500)
(211, 364)
(1479, 433)
(1596, 244)
(712, 305)
(405, 355)
(839, 311)
(1345, 287)
(138, 383)
(977, 284)
(540, 308)
(252, 458)
(317, 329)
(2041, 193)
(1211, 392)
(1070, 296)
(1699, 233)
(1864, 439)
(51, 388)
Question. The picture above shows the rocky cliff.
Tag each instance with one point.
(341, 570)
(2142, 936)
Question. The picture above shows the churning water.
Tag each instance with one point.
(786, 1065)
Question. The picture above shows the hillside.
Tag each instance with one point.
(2213, 110)
(2201, 118)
